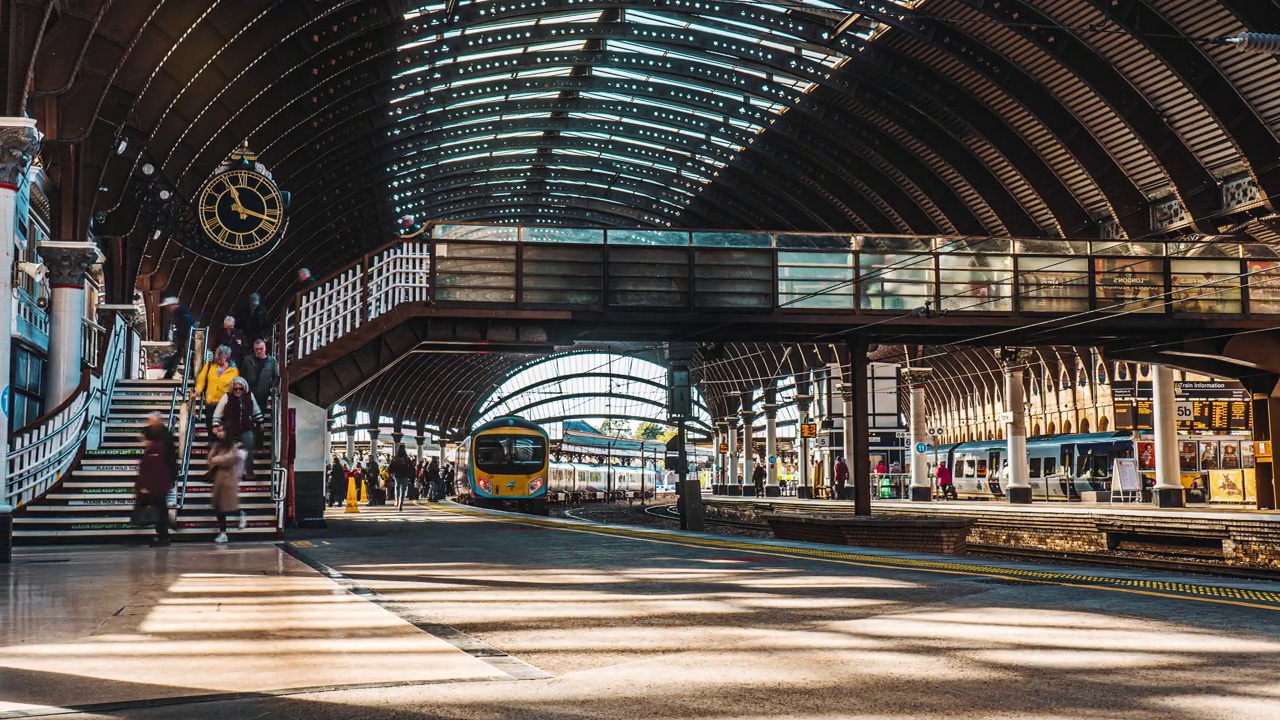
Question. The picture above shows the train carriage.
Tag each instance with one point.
(507, 463)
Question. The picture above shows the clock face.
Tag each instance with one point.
(240, 210)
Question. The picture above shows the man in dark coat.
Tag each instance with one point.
(262, 372)
(230, 337)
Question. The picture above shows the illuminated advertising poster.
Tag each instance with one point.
(1230, 455)
(1146, 456)
(1209, 456)
(1226, 485)
(1129, 284)
(1186, 456)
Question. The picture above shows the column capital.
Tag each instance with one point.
(1015, 358)
(915, 377)
(770, 411)
(748, 416)
(19, 143)
(68, 262)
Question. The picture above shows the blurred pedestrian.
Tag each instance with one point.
(435, 483)
(337, 482)
(226, 464)
(401, 475)
(758, 476)
(945, 483)
(841, 474)
(254, 320)
(181, 321)
(157, 474)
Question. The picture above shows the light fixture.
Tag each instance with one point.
(124, 145)
(36, 271)
(148, 169)
(165, 194)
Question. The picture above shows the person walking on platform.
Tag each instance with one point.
(213, 382)
(182, 321)
(262, 371)
(401, 472)
(945, 484)
(758, 474)
(238, 414)
(841, 473)
(435, 488)
(372, 474)
(337, 482)
(226, 464)
(157, 473)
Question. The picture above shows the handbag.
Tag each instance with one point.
(146, 516)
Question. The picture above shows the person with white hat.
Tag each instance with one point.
(181, 321)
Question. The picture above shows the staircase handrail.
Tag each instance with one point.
(197, 337)
(40, 455)
(279, 473)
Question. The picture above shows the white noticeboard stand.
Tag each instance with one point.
(1126, 485)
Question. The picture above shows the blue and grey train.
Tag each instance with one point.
(1061, 466)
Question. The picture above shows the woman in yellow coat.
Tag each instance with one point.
(213, 382)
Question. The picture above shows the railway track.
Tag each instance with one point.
(1146, 563)
(668, 512)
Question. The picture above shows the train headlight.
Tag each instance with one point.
(484, 485)
(536, 484)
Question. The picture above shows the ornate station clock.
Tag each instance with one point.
(240, 212)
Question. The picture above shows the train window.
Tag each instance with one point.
(1035, 467)
(510, 454)
(982, 469)
(969, 470)
(1049, 466)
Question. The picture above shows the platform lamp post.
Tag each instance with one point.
(679, 408)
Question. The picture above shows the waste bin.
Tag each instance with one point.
(6, 533)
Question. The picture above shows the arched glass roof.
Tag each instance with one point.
(586, 385)
(633, 105)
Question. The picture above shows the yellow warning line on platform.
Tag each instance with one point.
(1156, 588)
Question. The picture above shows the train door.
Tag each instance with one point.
(1066, 472)
(1056, 484)
(993, 468)
(1034, 478)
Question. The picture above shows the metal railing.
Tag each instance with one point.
(196, 342)
(91, 339)
(40, 456)
(279, 473)
(30, 320)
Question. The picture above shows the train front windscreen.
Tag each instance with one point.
(510, 454)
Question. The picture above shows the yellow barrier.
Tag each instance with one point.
(364, 492)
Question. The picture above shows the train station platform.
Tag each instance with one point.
(450, 612)
(1230, 535)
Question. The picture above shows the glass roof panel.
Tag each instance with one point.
(688, 87)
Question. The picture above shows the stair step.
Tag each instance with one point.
(118, 506)
(147, 381)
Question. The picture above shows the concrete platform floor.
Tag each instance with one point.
(453, 613)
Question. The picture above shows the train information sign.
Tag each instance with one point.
(808, 430)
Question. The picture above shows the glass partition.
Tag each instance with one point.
(1206, 286)
(1053, 284)
(1263, 280)
(1126, 284)
(1125, 247)
(536, 233)
(798, 241)
(732, 239)
(895, 281)
(815, 280)
(648, 237)
(976, 283)
(484, 233)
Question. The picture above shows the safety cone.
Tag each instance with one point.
(364, 492)
(353, 504)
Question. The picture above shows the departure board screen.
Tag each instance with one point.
(1216, 407)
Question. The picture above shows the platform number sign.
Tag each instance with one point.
(922, 448)
(808, 430)
(1184, 412)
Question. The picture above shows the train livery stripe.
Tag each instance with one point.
(1174, 590)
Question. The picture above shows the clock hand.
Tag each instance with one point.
(235, 201)
(245, 211)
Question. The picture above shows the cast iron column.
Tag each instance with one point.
(859, 426)
(351, 436)
(804, 400)
(1164, 422)
(921, 487)
(1018, 489)
(771, 438)
(748, 415)
(732, 469)
(68, 264)
(19, 143)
